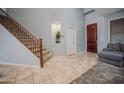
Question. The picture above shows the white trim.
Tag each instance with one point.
(22, 65)
(80, 53)
(109, 25)
(85, 27)
(75, 39)
(116, 18)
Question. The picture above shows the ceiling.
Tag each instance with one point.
(104, 11)
(107, 11)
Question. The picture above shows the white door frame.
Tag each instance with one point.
(75, 39)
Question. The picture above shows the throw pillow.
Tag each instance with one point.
(114, 46)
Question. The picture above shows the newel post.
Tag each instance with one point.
(41, 53)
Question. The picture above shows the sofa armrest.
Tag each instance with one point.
(106, 49)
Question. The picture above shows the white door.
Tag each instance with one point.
(71, 40)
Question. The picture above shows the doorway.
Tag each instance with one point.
(117, 30)
(92, 38)
(71, 40)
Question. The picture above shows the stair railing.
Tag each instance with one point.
(29, 36)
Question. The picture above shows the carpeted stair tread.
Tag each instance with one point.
(47, 56)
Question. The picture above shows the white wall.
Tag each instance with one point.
(38, 21)
(14, 52)
(94, 17)
(85, 10)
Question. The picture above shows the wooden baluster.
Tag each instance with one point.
(35, 46)
(41, 53)
(27, 37)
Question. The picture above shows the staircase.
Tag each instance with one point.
(25, 37)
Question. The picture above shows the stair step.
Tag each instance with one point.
(37, 53)
(45, 52)
(47, 57)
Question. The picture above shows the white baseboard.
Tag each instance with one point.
(21, 65)
(83, 52)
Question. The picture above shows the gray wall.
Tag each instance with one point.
(112, 17)
(38, 21)
(117, 30)
(94, 17)
(103, 27)
(14, 52)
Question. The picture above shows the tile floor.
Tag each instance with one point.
(58, 70)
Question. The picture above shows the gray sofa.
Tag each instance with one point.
(113, 54)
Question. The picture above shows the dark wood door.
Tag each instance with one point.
(92, 38)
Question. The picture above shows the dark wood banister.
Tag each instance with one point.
(41, 54)
(37, 40)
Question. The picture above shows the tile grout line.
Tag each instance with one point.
(49, 76)
(33, 76)
(65, 74)
(62, 72)
(6, 66)
(4, 69)
(25, 77)
(17, 75)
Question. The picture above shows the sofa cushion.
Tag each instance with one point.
(106, 49)
(112, 55)
(122, 47)
(114, 46)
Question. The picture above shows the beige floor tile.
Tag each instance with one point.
(61, 79)
(73, 74)
(54, 72)
(41, 76)
(49, 81)
(57, 75)
(59, 69)
(24, 81)
(24, 75)
(9, 75)
(2, 68)
(65, 68)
